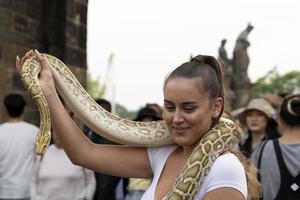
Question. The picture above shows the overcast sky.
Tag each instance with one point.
(150, 38)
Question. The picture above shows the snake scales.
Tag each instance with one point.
(147, 134)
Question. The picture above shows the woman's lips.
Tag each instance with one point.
(179, 130)
(253, 124)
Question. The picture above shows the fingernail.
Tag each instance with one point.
(36, 51)
(18, 58)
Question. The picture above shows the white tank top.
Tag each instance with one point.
(227, 171)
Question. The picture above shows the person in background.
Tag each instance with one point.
(258, 118)
(105, 184)
(274, 100)
(278, 160)
(242, 136)
(193, 103)
(56, 178)
(17, 142)
(156, 108)
(137, 187)
(240, 133)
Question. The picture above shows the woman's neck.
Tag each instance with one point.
(257, 137)
(290, 136)
(186, 150)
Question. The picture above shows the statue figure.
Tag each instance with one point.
(236, 81)
(240, 62)
(222, 51)
(224, 58)
(228, 75)
(240, 55)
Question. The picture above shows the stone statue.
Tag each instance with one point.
(224, 58)
(222, 51)
(240, 62)
(227, 73)
(240, 55)
(236, 81)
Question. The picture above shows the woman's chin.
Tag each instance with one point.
(182, 141)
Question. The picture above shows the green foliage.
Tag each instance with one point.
(275, 83)
(94, 88)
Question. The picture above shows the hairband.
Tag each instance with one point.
(289, 108)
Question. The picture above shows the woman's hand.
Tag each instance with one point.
(20, 62)
(46, 80)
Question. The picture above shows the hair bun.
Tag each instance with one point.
(199, 59)
(293, 106)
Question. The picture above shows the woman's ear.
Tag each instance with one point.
(217, 107)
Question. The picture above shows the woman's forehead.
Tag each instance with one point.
(197, 82)
(185, 84)
(182, 89)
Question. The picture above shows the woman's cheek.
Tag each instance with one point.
(167, 117)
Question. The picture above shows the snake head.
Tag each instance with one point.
(42, 141)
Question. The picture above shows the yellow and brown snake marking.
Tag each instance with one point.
(146, 134)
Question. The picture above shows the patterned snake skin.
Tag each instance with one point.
(146, 134)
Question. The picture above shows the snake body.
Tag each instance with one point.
(146, 134)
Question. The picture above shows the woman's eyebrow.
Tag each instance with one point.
(188, 103)
(167, 101)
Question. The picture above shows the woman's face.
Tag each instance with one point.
(187, 111)
(256, 121)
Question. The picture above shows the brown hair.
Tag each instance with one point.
(290, 110)
(208, 70)
(253, 185)
(14, 104)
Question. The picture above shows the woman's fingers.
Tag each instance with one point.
(45, 70)
(18, 63)
(45, 79)
(26, 56)
(41, 59)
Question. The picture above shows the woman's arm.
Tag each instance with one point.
(109, 159)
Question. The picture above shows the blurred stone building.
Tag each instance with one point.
(57, 27)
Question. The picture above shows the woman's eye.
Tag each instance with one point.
(169, 108)
(189, 109)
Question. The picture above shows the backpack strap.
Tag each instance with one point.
(259, 159)
(284, 172)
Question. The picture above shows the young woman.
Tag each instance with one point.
(279, 159)
(260, 124)
(193, 102)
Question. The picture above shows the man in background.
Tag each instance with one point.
(17, 141)
(137, 186)
(105, 184)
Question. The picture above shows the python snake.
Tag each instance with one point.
(110, 126)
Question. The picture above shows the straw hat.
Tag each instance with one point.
(258, 104)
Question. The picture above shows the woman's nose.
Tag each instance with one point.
(177, 116)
